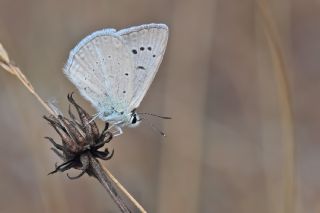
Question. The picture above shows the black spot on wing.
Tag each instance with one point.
(141, 67)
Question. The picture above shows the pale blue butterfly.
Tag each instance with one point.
(114, 69)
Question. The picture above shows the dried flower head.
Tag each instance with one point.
(81, 140)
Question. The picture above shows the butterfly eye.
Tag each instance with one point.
(134, 119)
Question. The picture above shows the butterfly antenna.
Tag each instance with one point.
(154, 115)
(153, 127)
(94, 116)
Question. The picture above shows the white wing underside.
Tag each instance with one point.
(147, 61)
(114, 69)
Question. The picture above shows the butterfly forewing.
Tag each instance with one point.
(146, 44)
(99, 67)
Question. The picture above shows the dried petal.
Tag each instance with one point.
(90, 128)
(73, 131)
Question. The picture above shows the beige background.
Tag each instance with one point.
(226, 149)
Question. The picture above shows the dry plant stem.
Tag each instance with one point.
(100, 172)
(14, 70)
(280, 70)
(141, 209)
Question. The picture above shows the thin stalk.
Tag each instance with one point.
(124, 191)
(281, 76)
(99, 172)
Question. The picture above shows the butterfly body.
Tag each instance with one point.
(121, 119)
(114, 69)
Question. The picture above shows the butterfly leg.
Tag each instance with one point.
(119, 131)
(116, 130)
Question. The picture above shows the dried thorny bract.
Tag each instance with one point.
(81, 140)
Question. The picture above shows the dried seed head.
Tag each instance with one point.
(80, 139)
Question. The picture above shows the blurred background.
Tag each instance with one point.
(242, 139)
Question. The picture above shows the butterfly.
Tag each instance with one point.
(114, 69)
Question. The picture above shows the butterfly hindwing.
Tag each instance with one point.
(99, 66)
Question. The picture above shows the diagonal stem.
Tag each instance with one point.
(97, 170)
(118, 184)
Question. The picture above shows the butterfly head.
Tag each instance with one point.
(134, 119)
(130, 119)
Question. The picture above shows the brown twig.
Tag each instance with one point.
(7, 65)
(98, 171)
(123, 189)
(103, 175)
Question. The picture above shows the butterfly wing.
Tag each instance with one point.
(147, 44)
(99, 67)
